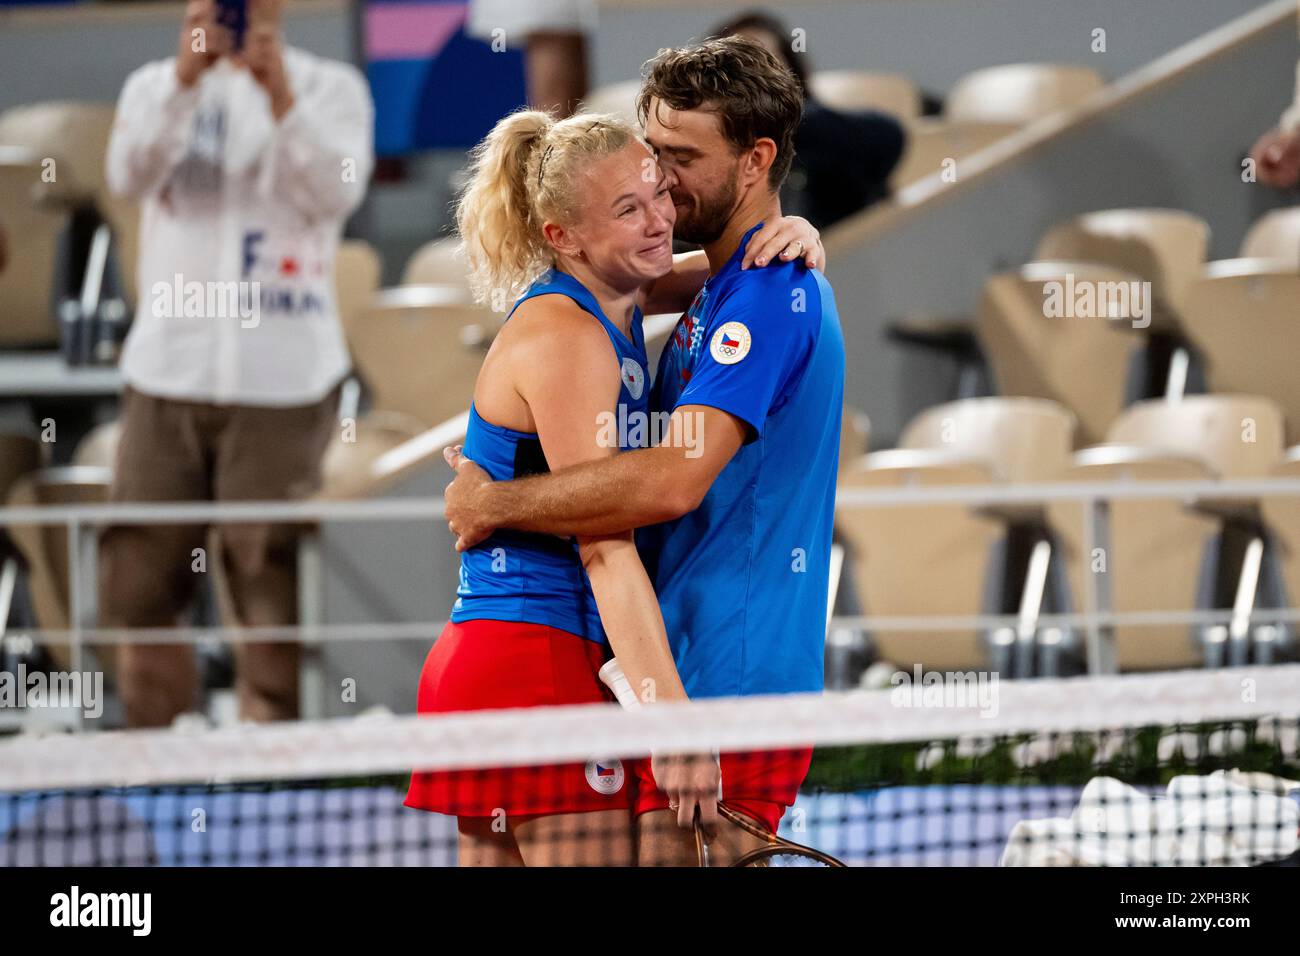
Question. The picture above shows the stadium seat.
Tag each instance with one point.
(1232, 437)
(76, 135)
(953, 543)
(20, 455)
(1083, 363)
(348, 470)
(1235, 436)
(357, 271)
(932, 140)
(44, 548)
(419, 349)
(1153, 554)
(1282, 519)
(1275, 235)
(1014, 439)
(859, 91)
(436, 263)
(98, 449)
(1243, 317)
(855, 436)
(1165, 247)
(1020, 92)
(27, 314)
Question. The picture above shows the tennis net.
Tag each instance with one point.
(1193, 768)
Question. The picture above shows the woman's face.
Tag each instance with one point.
(625, 225)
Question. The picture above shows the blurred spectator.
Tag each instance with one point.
(246, 164)
(1277, 152)
(842, 160)
(553, 35)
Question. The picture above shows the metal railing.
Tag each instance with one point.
(84, 522)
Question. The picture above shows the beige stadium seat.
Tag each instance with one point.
(920, 560)
(1275, 235)
(27, 312)
(20, 455)
(98, 449)
(1165, 247)
(1282, 518)
(1153, 557)
(932, 140)
(419, 349)
(44, 548)
(75, 134)
(348, 470)
(1020, 92)
(1080, 361)
(357, 272)
(617, 98)
(436, 263)
(1015, 439)
(859, 91)
(855, 437)
(1236, 436)
(1243, 317)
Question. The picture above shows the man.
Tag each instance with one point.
(743, 481)
(246, 161)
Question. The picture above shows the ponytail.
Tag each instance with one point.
(502, 241)
(524, 173)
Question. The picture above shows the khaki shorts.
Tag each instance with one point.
(190, 451)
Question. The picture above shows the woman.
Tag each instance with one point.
(576, 215)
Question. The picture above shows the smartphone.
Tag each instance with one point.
(233, 15)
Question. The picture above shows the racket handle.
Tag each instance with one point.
(617, 681)
(611, 674)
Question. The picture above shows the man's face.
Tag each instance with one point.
(703, 169)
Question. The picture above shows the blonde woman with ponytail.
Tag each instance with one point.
(571, 221)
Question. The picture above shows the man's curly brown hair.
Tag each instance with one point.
(752, 92)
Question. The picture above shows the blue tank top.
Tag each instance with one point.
(538, 578)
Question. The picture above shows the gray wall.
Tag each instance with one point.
(933, 41)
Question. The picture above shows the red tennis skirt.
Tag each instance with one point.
(493, 665)
(760, 784)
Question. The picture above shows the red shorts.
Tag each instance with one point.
(759, 784)
(493, 665)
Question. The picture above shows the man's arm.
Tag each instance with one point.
(782, 239)
(155, 111)
(627, 491)
(320, 157)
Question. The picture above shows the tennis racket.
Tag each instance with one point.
(778, 851)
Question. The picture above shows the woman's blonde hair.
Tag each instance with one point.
(524, 173)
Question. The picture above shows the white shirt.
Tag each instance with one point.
(514, 20)
(239, 222)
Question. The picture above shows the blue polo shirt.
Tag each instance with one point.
(742, 580)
